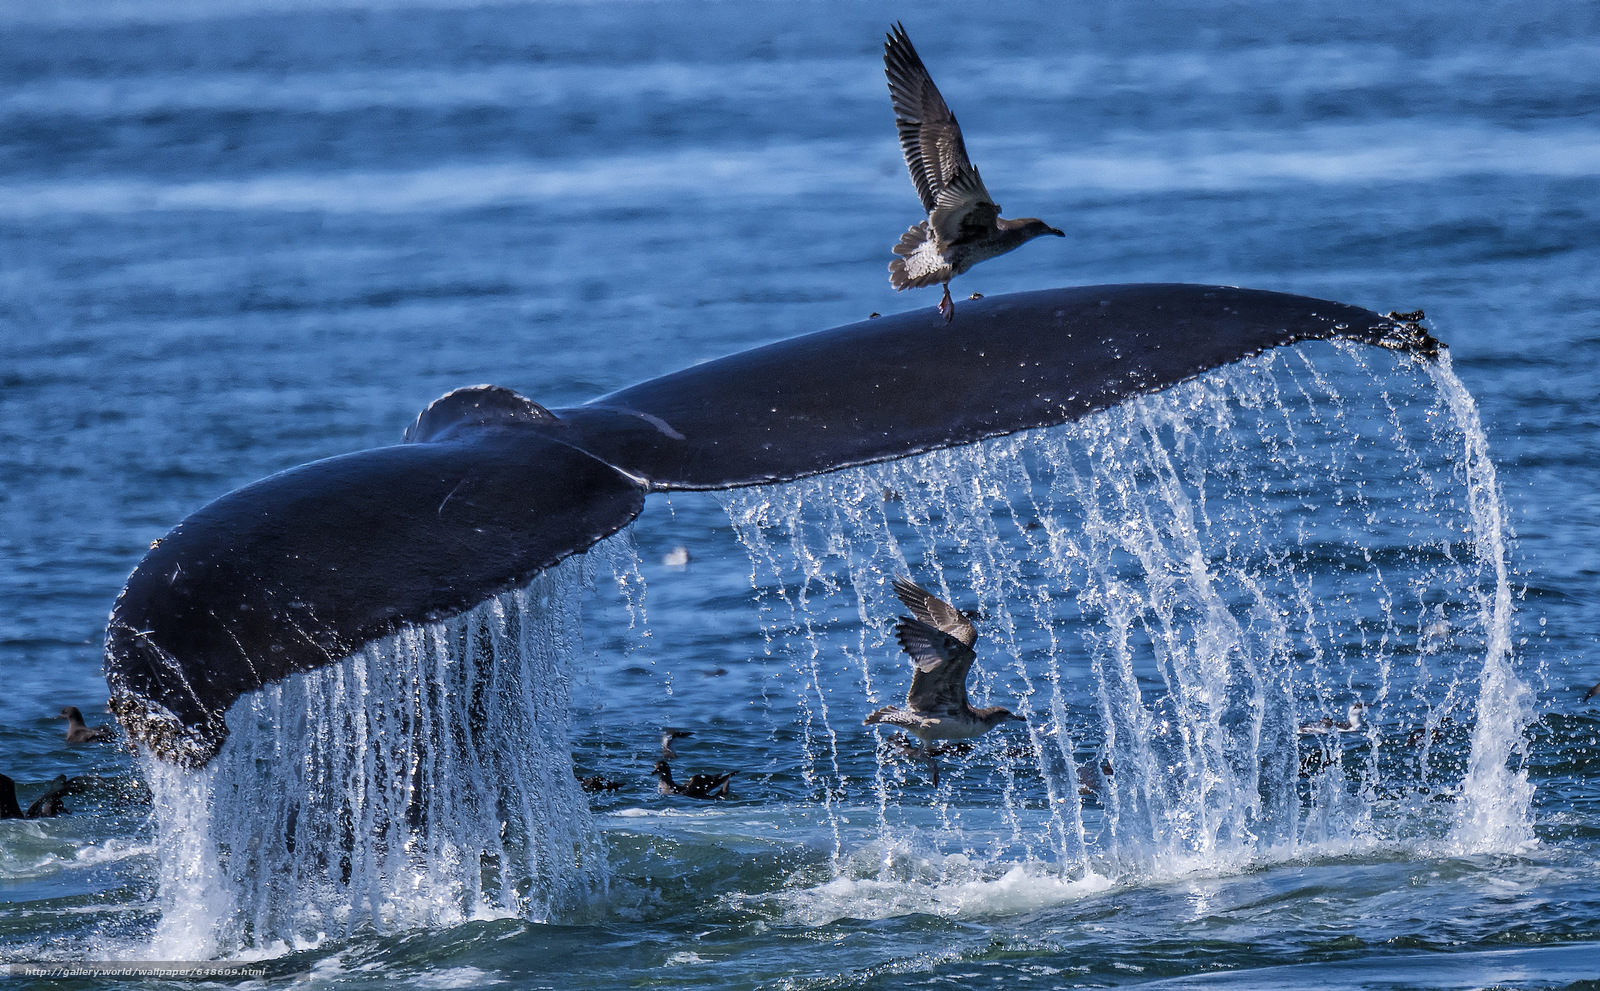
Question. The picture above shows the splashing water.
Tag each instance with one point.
(1496, 797)
(1174, 592)
(1188, 596)
(425, 780)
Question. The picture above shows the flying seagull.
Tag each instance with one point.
(939, 639)
(964, 226)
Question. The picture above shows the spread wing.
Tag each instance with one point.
(930, 138)
(942, 661)
(934, 611)
(963, 210)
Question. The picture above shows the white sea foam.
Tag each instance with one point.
(455, 977)
(519, 86)
(954, 886)
(32, 849)
(114, 12)
(614, 180)
(1329, 155)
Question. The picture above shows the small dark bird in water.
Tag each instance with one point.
(595, 782)
(1316, 759)
(9, 809)
(77, 732)
(45, 806)
(964, 226)
(1423, 734)
(1089, 782)
(1328, 724)
(50, 804)
(939, 639)
(1593, 692)
(699, 786)
(667, 736)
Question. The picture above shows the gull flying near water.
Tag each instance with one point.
(939, 639)
(964, 226)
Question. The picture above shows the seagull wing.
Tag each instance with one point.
(963, 210)
(934, 611)
(942, 662)
(930, 138)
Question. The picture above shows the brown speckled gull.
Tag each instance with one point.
(964, 226)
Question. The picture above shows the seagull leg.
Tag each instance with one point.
(924, 753)
(947, 307)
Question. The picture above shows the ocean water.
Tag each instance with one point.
(238, 236)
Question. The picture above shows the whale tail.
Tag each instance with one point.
(308, 566)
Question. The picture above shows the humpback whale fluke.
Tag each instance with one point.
(302, 568)
(964, 226)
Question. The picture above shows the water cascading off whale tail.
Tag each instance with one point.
(303, 568)
(1171, 591)
(363, 628)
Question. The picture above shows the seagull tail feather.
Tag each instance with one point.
(920, 263)
(877, 717)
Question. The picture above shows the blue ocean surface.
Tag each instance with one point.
(240, 235)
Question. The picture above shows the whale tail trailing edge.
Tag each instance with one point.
(302, 568)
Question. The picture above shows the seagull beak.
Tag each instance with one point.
(1057, 233)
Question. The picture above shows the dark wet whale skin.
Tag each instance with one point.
(303, 567)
